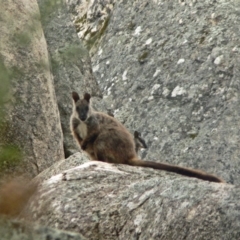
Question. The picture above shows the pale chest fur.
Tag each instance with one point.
(82, 130)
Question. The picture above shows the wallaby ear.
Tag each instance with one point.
(87, 97)
(75, 96)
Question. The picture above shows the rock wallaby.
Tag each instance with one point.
(105, 139)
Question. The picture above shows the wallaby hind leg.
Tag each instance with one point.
(105, 150)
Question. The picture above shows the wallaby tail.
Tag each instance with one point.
(176, 169)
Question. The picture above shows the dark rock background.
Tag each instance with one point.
(70, 63)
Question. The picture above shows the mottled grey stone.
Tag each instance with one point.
(73, 161)
(32, 119)
(190, 49)
(17, 230)
(91, 19)
(71, 64)
(107, 201)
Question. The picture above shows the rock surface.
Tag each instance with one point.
(71, 65)
(170, 69)
(91, 19)
(32, 115)
(106, 201)
(16, 230)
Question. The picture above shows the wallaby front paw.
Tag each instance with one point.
(83, 146)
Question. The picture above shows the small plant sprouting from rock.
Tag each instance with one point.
(131, 26)
(142, 58)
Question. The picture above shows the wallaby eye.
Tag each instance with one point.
(82, 109)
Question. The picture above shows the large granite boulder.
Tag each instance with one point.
(17, 230)
(107, 201)
(31, 117)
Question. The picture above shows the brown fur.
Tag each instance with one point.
(138, 140)
(14, 195)
(112, 143)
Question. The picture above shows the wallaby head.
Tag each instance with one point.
(82, 108)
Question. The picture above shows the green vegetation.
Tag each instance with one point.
(10, 155)
(49, 7)
(71, 53)
(143, 57)
(96, 36)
